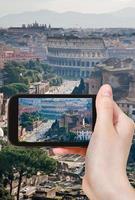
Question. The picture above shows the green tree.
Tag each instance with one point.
(22, 72)
(29, 118)
(71, 136)
(4, 195)
(14, 88)
(80, 89)
(56, 81)
(24, 163)
(13, 72)
(75, 90)
(21, 87)
(82, 85)
(9, 90)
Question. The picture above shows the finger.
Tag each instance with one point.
(87, 190)
(116, 113)
(124, 125)
(104, 106)
(79, 151)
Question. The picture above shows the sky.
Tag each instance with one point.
(84, 6)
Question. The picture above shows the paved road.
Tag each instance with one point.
(66, 88)
(37, 134)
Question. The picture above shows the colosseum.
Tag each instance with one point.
(73, 57)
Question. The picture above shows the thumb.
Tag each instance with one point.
(104, 107)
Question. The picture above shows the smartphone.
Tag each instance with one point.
(51, 120)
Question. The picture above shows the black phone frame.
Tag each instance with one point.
(13, 120)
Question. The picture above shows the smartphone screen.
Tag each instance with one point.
(53, 121)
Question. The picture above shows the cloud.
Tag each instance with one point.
(127, 1)
(89, 6)
(93, 6)
(21, 5)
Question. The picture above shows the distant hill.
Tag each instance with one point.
(123, 19)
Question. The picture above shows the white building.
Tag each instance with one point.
(83, 135)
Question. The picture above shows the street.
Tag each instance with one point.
(37, 134)
(66, 88)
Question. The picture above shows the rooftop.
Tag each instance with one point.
(114, 69)
(93, 42)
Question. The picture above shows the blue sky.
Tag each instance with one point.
(86, 6)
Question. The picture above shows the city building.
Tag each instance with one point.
(128, 106)
(1, 133)
(131, 98)
(18, 55)
(5, 109)
(1, 78)
(1, 103)
(131, 94)
(36, 28)
(83, 133)
(92, 85)
(8, 53)
(3, 48)
(121, 53)
(39, 88)
(1, 61)
(44, 193)
(70, 120)
(122, 79)
(38, 46)
(75, 57)
(116, 76)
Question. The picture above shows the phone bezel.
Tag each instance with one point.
(13, 120)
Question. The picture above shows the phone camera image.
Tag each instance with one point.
(56, 120)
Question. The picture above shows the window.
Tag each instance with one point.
(78, 63)
(83, 63)
(73, 63)
(93, 54)
(88, 64)
(93, 64)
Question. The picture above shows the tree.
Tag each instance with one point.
(28, 118)
(31, 64)
(80, 89)
(71, 136)
(21, 87)
(56, 81)
(82, 85)
(55, 125)
(13, 72)
(8, 90)
(14, 88)
(75, 90)
(24, 163)
(4, 195)
(24, 72)
(48, 70)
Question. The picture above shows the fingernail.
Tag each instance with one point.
(107, 92)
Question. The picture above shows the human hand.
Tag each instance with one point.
(106, 158)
